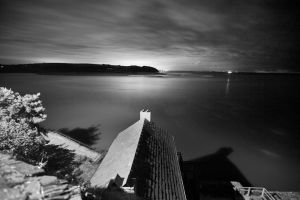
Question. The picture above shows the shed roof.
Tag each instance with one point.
(119, 158)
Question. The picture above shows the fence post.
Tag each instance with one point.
(248, 193)
(263, 192)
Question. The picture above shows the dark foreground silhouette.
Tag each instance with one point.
(209, 177)
(112, 192)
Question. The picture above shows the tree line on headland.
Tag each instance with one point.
(75, 68)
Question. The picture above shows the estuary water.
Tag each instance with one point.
(255, 115)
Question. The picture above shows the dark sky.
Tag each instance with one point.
(253, 35)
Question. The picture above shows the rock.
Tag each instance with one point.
(48, 180)
(12, 194)
(75, 197)
(61, 197)
(13, 177)
(27, 169)
(22, 181)
(74, 189)
(5, 157)
(14, 172)
(9, 175)
(52, 188)
(55, 192)
(33, 188)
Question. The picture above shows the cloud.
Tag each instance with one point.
(270, 153)
(177, 34)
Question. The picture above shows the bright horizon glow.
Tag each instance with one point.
(207, 37)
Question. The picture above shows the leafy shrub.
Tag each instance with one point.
(26, 109)
(21, 135)
(19, 118)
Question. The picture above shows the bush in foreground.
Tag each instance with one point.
(19, 118)
(22, 136)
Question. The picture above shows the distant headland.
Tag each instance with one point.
(72, 68)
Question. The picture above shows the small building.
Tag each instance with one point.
(143, 159)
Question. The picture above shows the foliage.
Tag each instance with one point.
(21, 135)
(76, 68)
(19, 118)
(61, 162)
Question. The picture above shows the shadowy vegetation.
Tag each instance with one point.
(88, 136)
(75, 68)
(54, 159)
(210, 176)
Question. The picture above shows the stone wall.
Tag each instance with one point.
(20, 181)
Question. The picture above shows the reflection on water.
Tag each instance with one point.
(256, 115)
(227, 86)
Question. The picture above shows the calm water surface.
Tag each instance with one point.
(255, 115)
